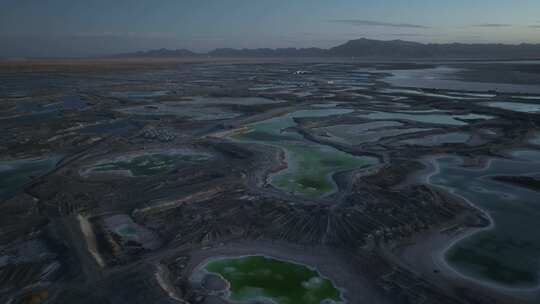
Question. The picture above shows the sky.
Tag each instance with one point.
(100, 27)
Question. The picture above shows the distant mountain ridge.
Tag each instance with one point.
(369, 48)
(406, 49)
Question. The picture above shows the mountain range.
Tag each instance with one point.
(368, 48)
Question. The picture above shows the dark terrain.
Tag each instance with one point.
(121, 177)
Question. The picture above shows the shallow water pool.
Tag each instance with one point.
(257, 277)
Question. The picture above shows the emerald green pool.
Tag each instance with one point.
(148, 164)
(258, 277)
(310, 164)
(311, 168)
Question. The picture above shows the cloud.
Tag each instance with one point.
(82, 44)
(414, 35)
(205, 39)
(135, 35)
(492, 25)
(359, 22)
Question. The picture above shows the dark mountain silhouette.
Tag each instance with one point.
(407, 49)
(369, 48)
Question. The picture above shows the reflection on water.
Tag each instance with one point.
(445, 78)
(454, 96)
(509, 253)
(439, 139)
(14, 174)
(362, 133)
(245, 101)
(515, 106)
(444, 119)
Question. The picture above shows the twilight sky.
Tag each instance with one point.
(97, 27)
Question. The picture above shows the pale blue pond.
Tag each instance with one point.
(508, 254)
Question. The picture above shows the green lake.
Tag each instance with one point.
(258, 277)
(310, 165)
